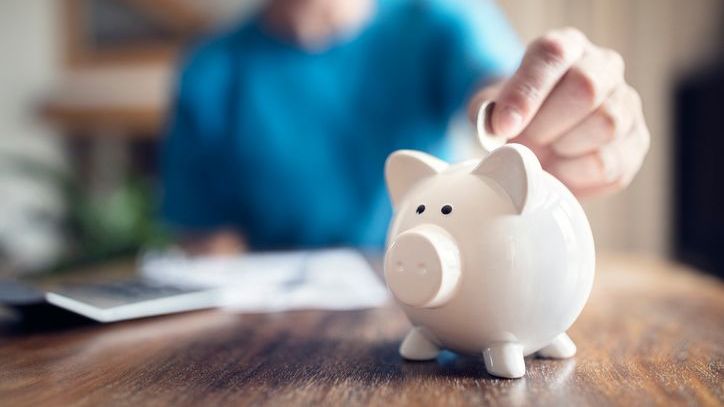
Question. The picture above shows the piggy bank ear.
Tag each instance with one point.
(517, 170)
(405, 168)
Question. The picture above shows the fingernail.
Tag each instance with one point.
(508, 122)
(611, 165)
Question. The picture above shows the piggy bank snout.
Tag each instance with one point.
(422, 266)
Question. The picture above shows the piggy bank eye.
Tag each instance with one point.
(420, 209)
(446, 209)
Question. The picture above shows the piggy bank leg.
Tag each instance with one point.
(562, 347)
(416, 346)
(505, 360)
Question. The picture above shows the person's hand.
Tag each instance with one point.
(569, 102)
(222, 242)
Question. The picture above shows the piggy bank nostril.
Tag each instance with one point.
(421, 268)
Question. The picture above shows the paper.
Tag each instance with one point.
(338, 279)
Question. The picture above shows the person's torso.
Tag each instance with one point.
(308, 134)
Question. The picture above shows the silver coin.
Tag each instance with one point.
(488, 140)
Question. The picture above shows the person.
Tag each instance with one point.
(281, 126)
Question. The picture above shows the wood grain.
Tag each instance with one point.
(652, 334)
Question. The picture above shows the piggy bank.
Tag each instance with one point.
(492, 256)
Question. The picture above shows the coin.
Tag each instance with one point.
(488, 140)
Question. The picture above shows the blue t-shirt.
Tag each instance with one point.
(288, 146)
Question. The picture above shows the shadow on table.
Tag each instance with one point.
(383, 359)
(40, 318)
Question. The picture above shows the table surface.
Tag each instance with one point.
(652, 333)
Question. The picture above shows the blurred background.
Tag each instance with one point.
(85, 86)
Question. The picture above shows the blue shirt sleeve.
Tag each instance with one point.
(191, 198)
(478, 44)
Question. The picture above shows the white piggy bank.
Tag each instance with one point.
(491, 256)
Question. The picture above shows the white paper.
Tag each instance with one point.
(337, 279)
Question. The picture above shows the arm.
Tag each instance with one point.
(193, 198)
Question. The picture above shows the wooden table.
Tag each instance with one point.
(652, 333)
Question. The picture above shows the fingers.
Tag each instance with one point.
(570, 104)
(611, 121)
(589, 82)
(600, 167)
(609, 168)
(545, 62)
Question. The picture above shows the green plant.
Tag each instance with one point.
(98, 226)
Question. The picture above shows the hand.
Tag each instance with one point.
(569, 102)
(222, 242)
